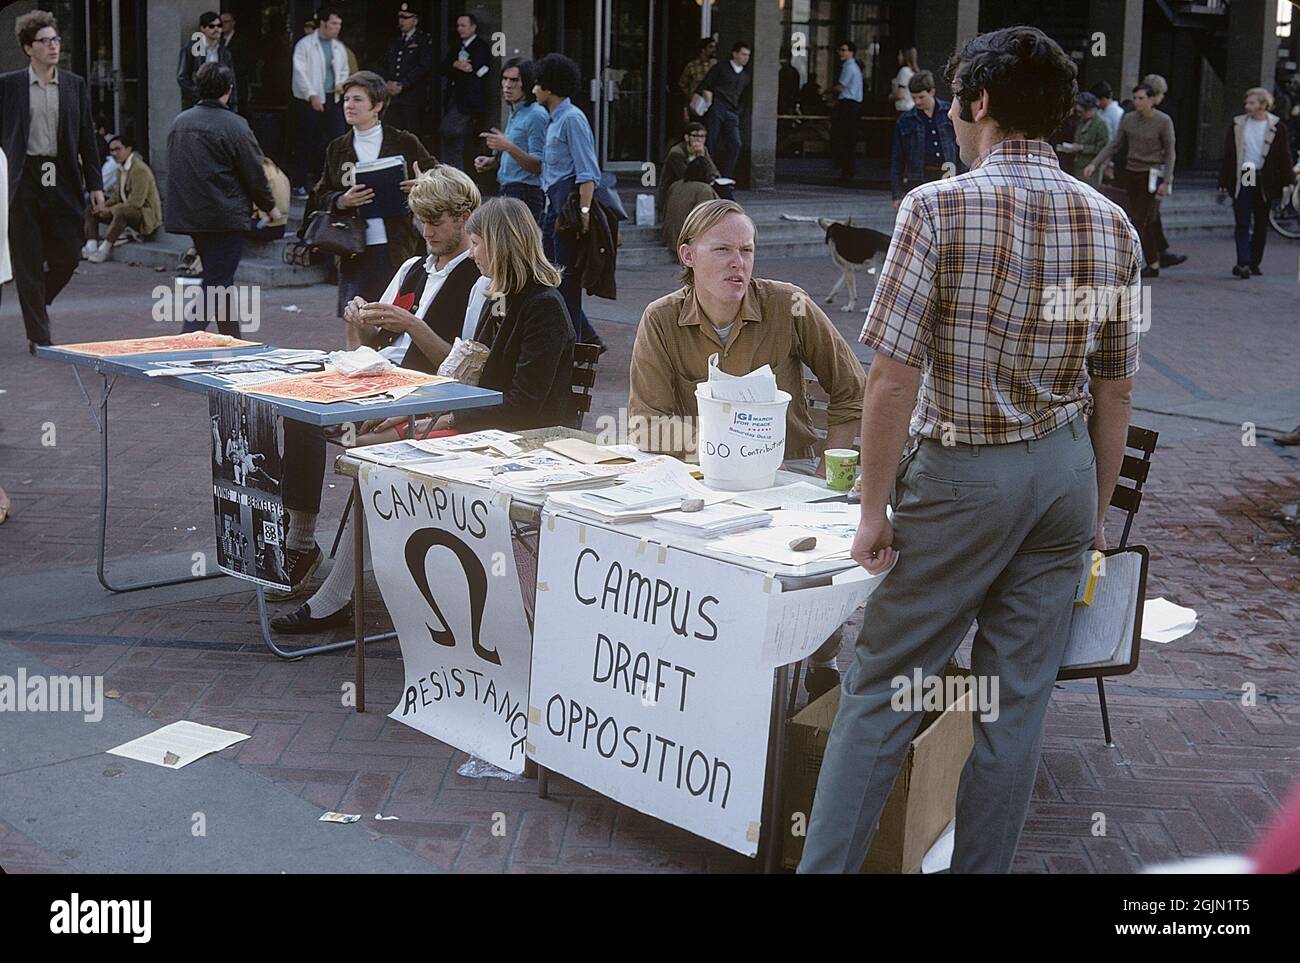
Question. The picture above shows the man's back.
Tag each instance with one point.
(1011, 284)
(214, 172)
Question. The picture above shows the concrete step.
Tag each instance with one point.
(262, 264)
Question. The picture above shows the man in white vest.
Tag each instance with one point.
(320, 65)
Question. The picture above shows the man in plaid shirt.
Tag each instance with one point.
(1009, 299)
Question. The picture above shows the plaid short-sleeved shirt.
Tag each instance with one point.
(1009, 286)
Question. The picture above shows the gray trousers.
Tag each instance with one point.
(993, 534)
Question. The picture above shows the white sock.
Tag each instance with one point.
(336, 591)
(302, 531)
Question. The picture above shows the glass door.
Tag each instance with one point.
(623, 92)
(111, 66)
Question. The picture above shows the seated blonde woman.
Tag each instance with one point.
(524, 323)
(526, 327)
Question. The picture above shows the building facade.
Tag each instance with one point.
(632, 53)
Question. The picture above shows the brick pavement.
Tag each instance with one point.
(1193, 771)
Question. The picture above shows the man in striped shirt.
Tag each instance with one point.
(1008, 298)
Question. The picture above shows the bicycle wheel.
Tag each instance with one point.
(1283, 215)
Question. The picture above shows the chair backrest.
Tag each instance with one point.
(585, 357)
(1140, 446)
(819, 407)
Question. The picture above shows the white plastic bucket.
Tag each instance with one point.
(741, 443)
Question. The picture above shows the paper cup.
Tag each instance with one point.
(841, 468)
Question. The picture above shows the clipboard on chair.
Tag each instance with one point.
(1106, 630)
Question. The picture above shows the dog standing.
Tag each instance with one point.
(853, 249)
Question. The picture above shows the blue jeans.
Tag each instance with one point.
(220, 252)
(530, 194)
(562, 250)
(1250, 242)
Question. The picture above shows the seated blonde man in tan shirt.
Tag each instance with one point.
(748, 322)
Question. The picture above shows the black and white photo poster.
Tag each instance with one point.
(648, 684)
(246, 470)
(445, 565)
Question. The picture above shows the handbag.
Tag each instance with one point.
(336, 233)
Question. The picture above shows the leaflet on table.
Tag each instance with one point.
(659, 489)
(533, 483)
(781, 496)
(277, 360)
(489, 468)
(758, 386)
(773, 544)
(715, 520)
(193, 341)
(474, 441)
(396, 454)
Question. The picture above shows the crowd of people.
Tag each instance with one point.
(997, 538)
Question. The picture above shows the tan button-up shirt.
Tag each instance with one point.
(43, 134)
(778, 324)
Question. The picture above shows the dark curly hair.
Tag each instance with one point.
(1030, 81)
(558, 74)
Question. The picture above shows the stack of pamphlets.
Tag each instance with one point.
(713, 521)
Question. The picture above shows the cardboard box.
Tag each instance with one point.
(923, 799)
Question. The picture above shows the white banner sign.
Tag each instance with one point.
(444, 562)
(647, 680)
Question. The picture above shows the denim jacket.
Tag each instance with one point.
(907, 165)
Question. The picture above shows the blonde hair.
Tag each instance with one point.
(513, 245)
(1158, 84)
(1262, 94)
(704, 217)
(443, 190)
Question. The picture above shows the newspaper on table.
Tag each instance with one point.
(474, 441)
(537, 483)
(245, 370)
(484, 470)
(759, 386)
(397, 453)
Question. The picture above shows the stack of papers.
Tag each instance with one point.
(787, 496)
(714, 521)
(834, 532)
(658, 488)
(572, 478)
(757, 386)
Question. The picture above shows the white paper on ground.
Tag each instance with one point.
(185, 740)
(799, 621)
(759, 386)
(939, 856)
(1163, 621)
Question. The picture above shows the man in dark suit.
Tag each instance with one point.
(242, 57)
(47, 134)
(200, 50)
(466, 69)
(408, 65)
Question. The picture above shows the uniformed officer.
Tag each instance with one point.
(408, 66)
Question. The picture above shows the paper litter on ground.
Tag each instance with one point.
(1163, 621)
(178, 744)
(939, 856)
(332, 817)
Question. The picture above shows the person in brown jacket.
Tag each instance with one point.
(390, 241)
(748, 322)
(1256, 169)
(134, 203)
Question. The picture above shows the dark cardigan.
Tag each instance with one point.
(530, 363)
(404, 241)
